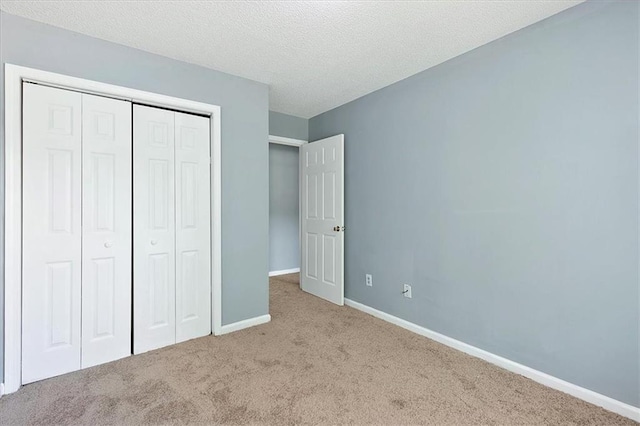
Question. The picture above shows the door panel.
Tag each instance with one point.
(193, 227)
(329, 252)
(154, 225)
(159, 290)
(322, 172)
(106, 238)
(51, 265)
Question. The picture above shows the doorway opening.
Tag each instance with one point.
(318, 186)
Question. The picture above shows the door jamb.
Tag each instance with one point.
(14, 77)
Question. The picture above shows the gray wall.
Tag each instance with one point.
(244, 106)
(503, 185)
(284, 250)
(284, 247)
(288, 126)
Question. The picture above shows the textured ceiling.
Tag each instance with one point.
(315, 55)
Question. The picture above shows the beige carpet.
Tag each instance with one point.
(314, 363)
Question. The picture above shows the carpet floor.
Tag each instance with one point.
(313, 363)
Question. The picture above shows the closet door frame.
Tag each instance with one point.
(14, 78)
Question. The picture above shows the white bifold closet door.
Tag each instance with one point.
(172, 266)
(193, 227)
(106, 229)
(51, 232)
(154, 223)
(76, 286)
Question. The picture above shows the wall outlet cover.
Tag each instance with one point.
(406, 291)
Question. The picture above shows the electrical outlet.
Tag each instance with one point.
(407, 291)
(368, 280)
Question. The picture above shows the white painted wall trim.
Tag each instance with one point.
(12, 229)
(14, 76)
(241, 325)
(1, 389)
(283, 272)
(280, 140)
(592, 397)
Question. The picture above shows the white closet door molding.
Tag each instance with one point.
(106, 237)
(51, 272)
(154, 224)
(193, 227)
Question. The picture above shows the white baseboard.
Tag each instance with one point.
(592, 397)
(240, 325)
(283, 272)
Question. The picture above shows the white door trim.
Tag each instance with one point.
(14, 76)
(281, 140)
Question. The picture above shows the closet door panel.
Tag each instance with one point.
(154, 229)
(106, 238)
(193, 227)
(51, 251)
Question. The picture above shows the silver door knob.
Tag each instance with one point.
(154, 242)
(108, 244)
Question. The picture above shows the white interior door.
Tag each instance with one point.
(51, 250)
(154, 317)
(322, 200)
(106, 236)
(193, 227)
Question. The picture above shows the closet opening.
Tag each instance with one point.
(83, 160)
